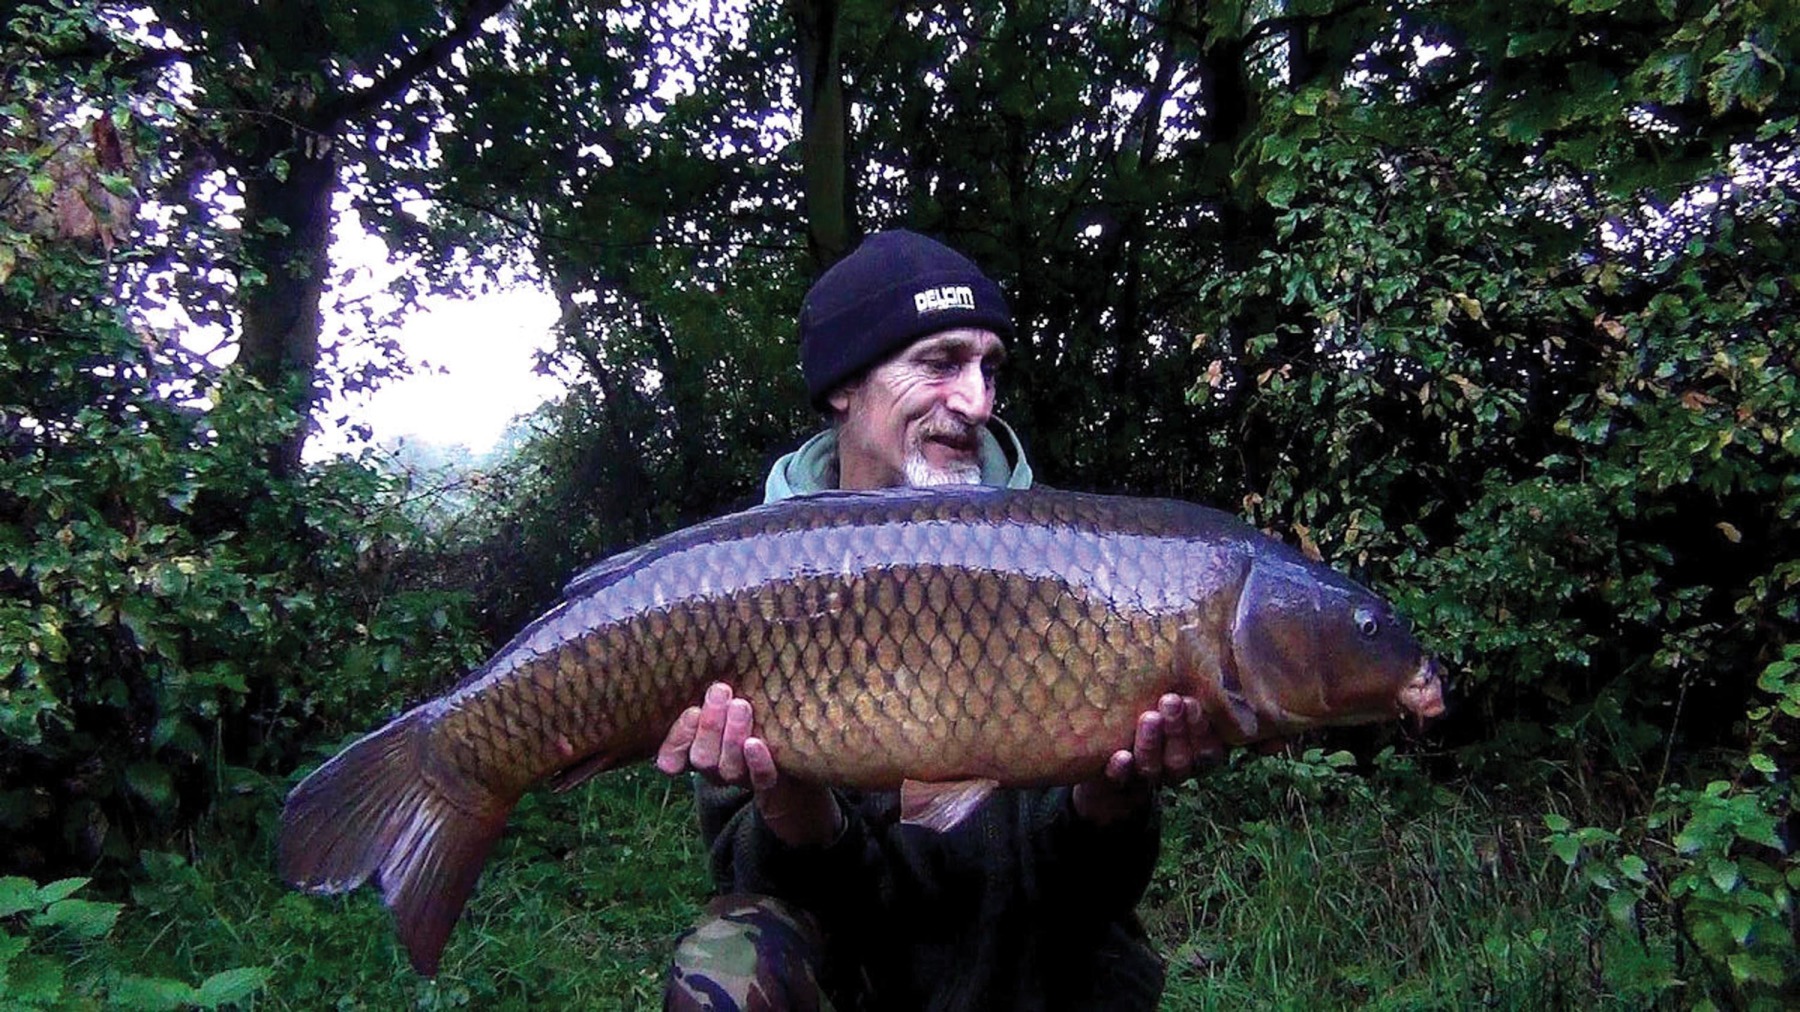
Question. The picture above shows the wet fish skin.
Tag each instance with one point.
(881, 637)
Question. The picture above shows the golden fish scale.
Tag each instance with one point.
(931, 671)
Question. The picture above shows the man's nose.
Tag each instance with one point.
(971, 394)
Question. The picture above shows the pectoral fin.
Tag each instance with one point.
(940, 806)
(580, 773)
(1234, 706)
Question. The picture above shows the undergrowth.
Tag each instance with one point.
(1300, 882)
(576, 909)
(1294, 881)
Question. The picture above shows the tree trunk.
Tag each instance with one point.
(824, 130)
(287, 235)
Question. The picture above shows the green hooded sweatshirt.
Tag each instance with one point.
(813, 467)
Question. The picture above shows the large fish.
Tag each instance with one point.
(924, 637)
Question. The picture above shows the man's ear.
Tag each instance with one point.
(839, 400)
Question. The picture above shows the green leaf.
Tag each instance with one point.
(34, 980)
(153, 994)
(1556, 823)
(10, 947)
(1749, 966)
(151, 781)
(1621, 906)
(1566, 847)
(81, 918)
(1774, 677)
(60, 889)
(1762, 763)
(1282, 190)
(232, 985)
(17, 894)
(1634, 868)
(117, 185)
(1777, 128)
(1745, 76)
(1724, 874)
(1739, 923)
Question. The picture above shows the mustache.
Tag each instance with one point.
(949, 430)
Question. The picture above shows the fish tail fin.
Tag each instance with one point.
(372, 811)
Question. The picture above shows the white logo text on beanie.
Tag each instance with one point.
(937, 300)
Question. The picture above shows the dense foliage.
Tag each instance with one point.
(1491, 304)
(177, 621)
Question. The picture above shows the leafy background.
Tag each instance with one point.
(1491, 305)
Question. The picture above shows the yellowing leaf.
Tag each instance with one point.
(1471, 390)
(1308, 547)
(1731, 533)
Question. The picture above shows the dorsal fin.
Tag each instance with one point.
(609, 570)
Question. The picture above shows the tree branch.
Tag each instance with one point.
(354, 105)
(1271, 26)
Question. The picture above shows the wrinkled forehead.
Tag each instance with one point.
(964, 342)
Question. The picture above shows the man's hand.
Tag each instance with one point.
(1172, 741)
(714, 740)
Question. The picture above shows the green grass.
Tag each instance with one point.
(1324, 892)
(577, 909)
(1282, 884)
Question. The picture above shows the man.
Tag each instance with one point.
(829, 901)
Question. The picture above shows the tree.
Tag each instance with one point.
(284, 100)
(157, 658)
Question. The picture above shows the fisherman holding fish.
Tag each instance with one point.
(826, 898)
(943, 642)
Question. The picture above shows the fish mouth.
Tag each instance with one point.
(1423, 694)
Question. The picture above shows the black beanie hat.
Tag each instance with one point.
(892, 290)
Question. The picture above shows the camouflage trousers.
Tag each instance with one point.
(748, 954)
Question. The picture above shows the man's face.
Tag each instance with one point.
(915, 419)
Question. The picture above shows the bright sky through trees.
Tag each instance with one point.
(474, 358)
(475, 362)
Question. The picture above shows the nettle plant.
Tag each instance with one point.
(54, 954)
(1714, 862)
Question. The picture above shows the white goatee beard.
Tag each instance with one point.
(921, 474)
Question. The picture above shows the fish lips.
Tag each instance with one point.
(1423, 693)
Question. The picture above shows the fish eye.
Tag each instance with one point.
(1366, 623)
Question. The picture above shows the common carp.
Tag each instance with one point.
(883, 638)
